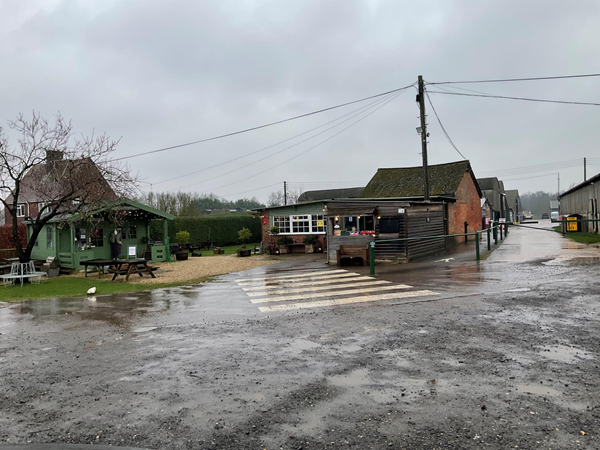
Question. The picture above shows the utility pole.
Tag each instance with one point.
(558, 174)
(421, 101)
(584, 169)
(284, 193)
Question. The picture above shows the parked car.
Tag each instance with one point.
(528, 217)
(545, 216)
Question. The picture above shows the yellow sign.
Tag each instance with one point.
(320, 223)
(571, 226)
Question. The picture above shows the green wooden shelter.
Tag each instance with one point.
(75, 238)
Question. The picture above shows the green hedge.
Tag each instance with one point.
(220, 229)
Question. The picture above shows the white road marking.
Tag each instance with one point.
(284, 298)
(261, 281)
(306, 274)
(346, 301)
(318, 282)
(445, 260)
(320, 288)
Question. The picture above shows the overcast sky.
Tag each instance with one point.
(158, 73)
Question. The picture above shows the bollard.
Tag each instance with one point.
(477, 256)
(466, 231)
(489, 240)
(372, 257)
(496, 235)
(501, 227)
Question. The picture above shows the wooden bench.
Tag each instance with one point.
(353, 252)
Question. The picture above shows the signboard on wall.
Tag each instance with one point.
(320, 223)
(401, 210)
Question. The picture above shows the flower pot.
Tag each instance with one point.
(182, 256)
(51, 273)
(244, 252)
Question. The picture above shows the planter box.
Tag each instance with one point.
(182, 256)
(283, 249)
(309, 248)
(219, 251)
(244, 252)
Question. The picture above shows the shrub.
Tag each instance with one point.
(285, 240)
(311, 239)
(244, 235)
(182, 237)
(275, 230)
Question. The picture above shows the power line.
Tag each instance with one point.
(519, 79)
(536, 176)
(365, 107)
(311, 148)
(291, 146)
(535, 168)
(262, 126)
(517, 98)
(442, 126)
(251, 190)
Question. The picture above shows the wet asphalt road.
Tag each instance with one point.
(448, 354)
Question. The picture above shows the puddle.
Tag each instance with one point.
(357, 377)
(92, 344)
(537, 389)
(519, 290)
(302, 345)
(579, 261)
(385, 396)
(564, 353)
(130, 298)
(351, 348)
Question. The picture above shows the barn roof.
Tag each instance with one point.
(444, 179)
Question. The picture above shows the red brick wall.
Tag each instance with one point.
(466, 208)
(31, 211)
(269, 239)
(6, 241)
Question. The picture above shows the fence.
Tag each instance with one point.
(495, 230)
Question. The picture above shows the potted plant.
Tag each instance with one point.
(51, 268)
(183, 239)
(283, 242)
(310, 242)
(244, 235)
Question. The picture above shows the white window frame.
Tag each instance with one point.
(296, 218)
(21, 206)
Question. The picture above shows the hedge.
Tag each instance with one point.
(219, 229)
(6, 240)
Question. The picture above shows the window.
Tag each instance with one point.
(301, 224)
(49, 237)
(282, 222)
(82, 238)
(318, 223)
(97, 235)
(389, 225)
(20, 210)
(132, 232)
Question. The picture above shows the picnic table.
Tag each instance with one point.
(118, 267)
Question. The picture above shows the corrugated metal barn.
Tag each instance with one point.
(583, 200)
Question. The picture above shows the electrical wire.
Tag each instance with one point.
(517, 98)
(536, 168)
(310, 148)
(377, 102)
(536, 176)
(262, 126)
(442, 126)
(251, 190)
(270, 146)
(519, 79)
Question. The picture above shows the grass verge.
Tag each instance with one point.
(76, 286)
(582, 238)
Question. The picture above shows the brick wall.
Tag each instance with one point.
(268, 239)
(31, 210)
(466, 208)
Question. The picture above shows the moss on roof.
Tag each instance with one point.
(408, 181)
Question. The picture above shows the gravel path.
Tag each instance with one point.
(195, 268)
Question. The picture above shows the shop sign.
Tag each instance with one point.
(400, 210)
(320, 223)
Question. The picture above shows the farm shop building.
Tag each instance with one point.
(582, 200)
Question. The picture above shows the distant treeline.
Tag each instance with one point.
(537, 202)
(192, 204)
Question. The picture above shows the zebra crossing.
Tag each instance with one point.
(320, 288)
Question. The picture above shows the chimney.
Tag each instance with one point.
(53, 156)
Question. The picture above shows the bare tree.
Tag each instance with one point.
(60, 173)
(277, 198)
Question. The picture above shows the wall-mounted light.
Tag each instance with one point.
(379, 217)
